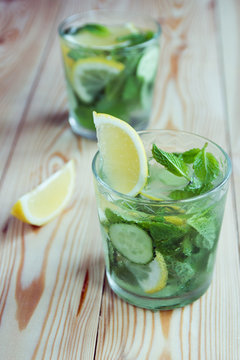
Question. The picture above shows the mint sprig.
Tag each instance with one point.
(171, 162)
(190, 155)
(202, 165)
(96, 29)
(206, 166)
(136, 37)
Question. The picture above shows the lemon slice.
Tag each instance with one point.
(124, 158)
(67, 60)
(91, 36)
(48, 199)
(91, 75)
(157, 276)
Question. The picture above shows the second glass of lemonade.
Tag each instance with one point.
(110, 61)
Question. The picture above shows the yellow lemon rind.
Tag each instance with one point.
(163, 280)
(100, 120)
(20, 209)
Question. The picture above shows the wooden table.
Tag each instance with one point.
(55, 302)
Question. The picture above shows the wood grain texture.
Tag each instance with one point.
(25, 27)
(55, 302)
(190, 97)
(229, 16)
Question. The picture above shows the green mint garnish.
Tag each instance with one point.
(171, 162)
(206, 227)
(96, 29)
(190, 155)
(81, 53)
(205, 168)
(190, 191)
(183, 271)
(187, 245)
(181, 194)
(131, 88)
(136, 38)
(165, 232)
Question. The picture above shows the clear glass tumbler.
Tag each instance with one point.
(110, 61)
(183, 234)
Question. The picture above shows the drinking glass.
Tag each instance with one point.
(107, 72)
(177, 267)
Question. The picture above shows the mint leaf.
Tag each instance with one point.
(183, 271)
(206, 227)
(162, 231)
(130, 217)
(190, 155)
(114, 217)
(112, 107)
(131, 88)
(171, 162)
(206, 169)
(84, 116)
(75, 54)
(81, 53)
(181, 194)
(96, 29)
(187, 245)
(204, 242)
(206, 166)
(136, 38)
(167, 239)
(213, 167)
(192, 189)
(115, 88)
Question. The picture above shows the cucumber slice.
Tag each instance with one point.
(132, 242)
(148, 64)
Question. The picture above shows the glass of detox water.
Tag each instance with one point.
(110, 61)
(160, 246)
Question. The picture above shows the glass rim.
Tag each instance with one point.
(167, 201)
(75, 16)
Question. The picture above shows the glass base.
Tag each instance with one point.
(80, 130)
(166, 303)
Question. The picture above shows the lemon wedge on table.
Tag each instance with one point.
(124, 158)
(91, 75)
(48, 199)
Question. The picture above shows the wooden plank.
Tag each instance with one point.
(189, 96)
(26, 31)
(229, 16)
(50, 278)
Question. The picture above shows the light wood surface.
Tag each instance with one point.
(55, 302)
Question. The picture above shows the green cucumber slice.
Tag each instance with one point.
(132, 242)
(148, 64)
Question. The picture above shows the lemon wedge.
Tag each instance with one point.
(91, 75)
(157, 276)
(67, 60)
(48, 199)
(124, 158)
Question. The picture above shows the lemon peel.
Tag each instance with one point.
(124, 158)
(48, 199)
